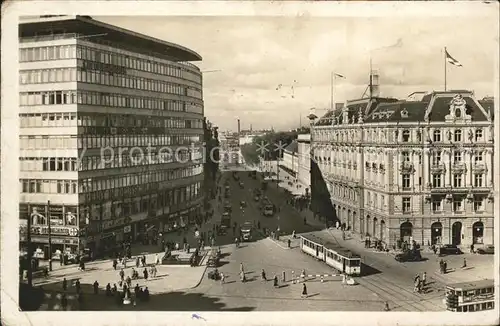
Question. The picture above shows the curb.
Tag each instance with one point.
(201, 277)
(278, 244)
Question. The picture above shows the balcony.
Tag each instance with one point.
(459, 167)
(438, 167)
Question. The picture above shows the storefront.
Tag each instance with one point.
(63, 240)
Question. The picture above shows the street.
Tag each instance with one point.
(184, 288)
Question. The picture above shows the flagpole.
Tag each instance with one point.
(445, 68)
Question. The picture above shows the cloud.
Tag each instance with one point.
(255, 54)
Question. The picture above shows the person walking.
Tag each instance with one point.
(96, 287)
(122, 274)
(115, 263)
(137, 262)
(275, 281)
(222, 278)
(65, 284)
(304, 291)
(64, 301)
(424, 278)
(145, 273)
(464, 264)
(77, 286)
(263, 275)
(157, 259)
(386, 307)
(242, 269)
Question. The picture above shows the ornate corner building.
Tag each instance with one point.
(416, 169)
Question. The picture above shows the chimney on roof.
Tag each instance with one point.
(375, 85)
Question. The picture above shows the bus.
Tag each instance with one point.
(470, 296)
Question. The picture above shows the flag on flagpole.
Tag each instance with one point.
(338, 75)
(452, 60)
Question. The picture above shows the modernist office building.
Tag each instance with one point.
(416, 169)
(107, 118)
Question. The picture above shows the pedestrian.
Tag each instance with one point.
(386, 308)
(96, 287)
(65, 284)
(304, 291)
(222, 278)
(283, 278)
(177, 246)
(445, 267)
(115, 263)
(424, 278)
(241, 268)
(137, 262)
(136, 290)
(145, 273)
(472, 248)
(122, 274)
(108, 290)
(263, 274)
(275, 281)
(64, 301)
(77, 286)
(157, 259)
(124, 262)
(465, 263)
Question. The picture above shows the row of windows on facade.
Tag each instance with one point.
(381, 136)
(406, 156)
(87, 142)
(437, 204)
(437, 180)
(56, 119)
(107, 99)
(90, 163)
(106, 57)
(139, 204)
(62, 75)
(44, 186)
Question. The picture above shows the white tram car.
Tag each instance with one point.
(333, 255)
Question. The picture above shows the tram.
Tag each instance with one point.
(333, 255)
(470, 296)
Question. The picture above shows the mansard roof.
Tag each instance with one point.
(435, 104)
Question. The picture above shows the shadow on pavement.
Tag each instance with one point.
(367, 270)
(48, 298)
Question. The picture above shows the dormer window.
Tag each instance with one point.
(419, 135)
(479, 134)
(406, 136)
(437, 135)
(404, 113)
(458, 135)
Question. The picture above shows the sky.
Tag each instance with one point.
(252, 56)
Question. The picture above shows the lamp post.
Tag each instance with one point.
(50, 235)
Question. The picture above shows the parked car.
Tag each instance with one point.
(243, 204)
(449, 249)
(487, 249)
(409, 255)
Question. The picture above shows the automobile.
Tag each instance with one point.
(242, 185)
(449, 249)
(409, 255)
(243, 203)
(487, 249)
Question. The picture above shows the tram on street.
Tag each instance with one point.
(333, 255)
(470, 296)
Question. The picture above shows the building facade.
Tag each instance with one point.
(304, 160)
(111, 134)
(416, 169)
(290, 159)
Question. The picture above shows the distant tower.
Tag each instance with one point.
(239, 130)
(374, 84)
